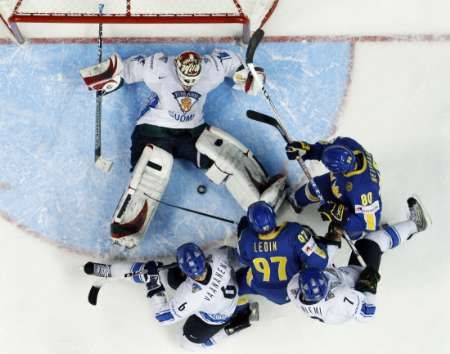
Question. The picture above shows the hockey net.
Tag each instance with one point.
(194, 18)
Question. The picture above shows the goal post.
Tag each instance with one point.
(207, 12)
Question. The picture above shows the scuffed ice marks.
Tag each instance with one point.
(47, 125)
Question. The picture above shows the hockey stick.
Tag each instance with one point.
(192, 210)
(276, 122)
(264, 118)
(100, 162)
(95, 288)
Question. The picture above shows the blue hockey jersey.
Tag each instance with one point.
(274, 258)
(358, 190)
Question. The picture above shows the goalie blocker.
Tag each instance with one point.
(234, 165)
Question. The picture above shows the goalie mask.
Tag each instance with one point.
(189, 67)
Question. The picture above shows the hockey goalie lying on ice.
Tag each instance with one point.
(172, 125)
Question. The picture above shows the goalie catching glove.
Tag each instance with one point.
(244, 80)
(105, 76)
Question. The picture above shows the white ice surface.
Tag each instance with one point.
(399, 107)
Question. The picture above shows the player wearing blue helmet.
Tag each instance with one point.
(339, 294)
(351, 188)
(206, 296)
(313, 285)
(273, 253)
(191, 260)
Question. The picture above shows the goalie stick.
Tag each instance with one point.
(100, 162)
(192, 210)
(264, 118)
(95, 288)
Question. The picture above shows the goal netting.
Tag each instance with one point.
(128, 18)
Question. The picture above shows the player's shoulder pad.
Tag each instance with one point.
(348, 142)
(217, 58)
(302, 232)
(218, 253)
(160, 61)
(189, 290)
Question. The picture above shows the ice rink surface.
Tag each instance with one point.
(55, 138)
(397, 105)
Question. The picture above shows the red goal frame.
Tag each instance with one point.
(129, 17)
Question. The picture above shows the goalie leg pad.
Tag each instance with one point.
(234, 165)
(136, 206)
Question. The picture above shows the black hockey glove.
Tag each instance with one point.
(335, 232)
(335, 212)
(243, 224)
(152, 280)
(368, 281)
(297, 149)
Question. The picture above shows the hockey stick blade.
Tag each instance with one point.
(253, 44)
(95, 288)
(93, 294)
(103, 165)
(264, 118)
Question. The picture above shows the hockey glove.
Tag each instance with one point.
(335, 232)
(297, 149)
(244, 81)
(152, 280)
(368, 281)
(105, 76)
(335, 212)
(243, 224)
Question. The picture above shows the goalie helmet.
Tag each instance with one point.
(262, 217)
(191, 260)
(189, 67)
(313, 285)
(338, 159)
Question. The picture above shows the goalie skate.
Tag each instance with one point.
(139, 202)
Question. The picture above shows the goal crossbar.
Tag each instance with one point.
(128, 17)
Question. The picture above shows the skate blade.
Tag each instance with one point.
(254, 312)
(425, 212)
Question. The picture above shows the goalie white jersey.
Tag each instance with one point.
(342, 303)
(178, 108)
(213, 301)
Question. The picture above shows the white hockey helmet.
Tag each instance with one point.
(189, 67)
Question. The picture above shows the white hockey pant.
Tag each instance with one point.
(236, 167)
(392, 236)
(136, 206)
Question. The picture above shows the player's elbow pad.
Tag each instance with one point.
(367, 312)
(164, 317)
